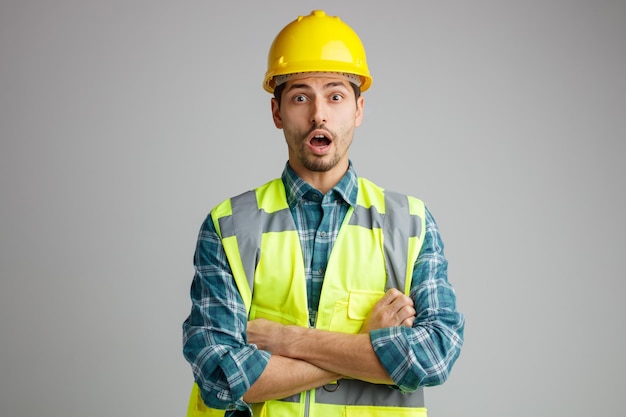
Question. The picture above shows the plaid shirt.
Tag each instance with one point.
(214, 334)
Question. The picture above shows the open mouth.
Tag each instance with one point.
(319, 141)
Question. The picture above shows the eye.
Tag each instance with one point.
(336, 97)
(300, 98)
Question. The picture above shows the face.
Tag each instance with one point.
(318, 115)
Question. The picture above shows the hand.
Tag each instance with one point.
(393, 309)
(266, 334)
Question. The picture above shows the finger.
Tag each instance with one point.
(408, 322)
(387, 302)
(393, 293)
(406, 313)
(401, 302)
(389, 297)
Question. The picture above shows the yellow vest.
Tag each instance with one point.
(375, 250)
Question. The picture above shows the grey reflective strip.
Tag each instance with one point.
(292, 399)
(248, 223)
(355, 392)
(244, 223)
(396, 235)
(399, 226)
(368, 218)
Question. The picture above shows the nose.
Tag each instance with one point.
(319, 112)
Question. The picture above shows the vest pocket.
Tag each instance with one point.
(272, 315)
(348, 316)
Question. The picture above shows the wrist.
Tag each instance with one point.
(292, 341)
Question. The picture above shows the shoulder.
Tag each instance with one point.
(368, 187)
(268, 186)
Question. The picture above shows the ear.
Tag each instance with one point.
(278, 121)
(358, 118)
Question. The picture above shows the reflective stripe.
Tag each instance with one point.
(248, 223)
(355, 392)
(291, 399)
(369, 218)
(400, 225)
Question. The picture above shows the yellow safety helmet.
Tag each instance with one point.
(316, 43)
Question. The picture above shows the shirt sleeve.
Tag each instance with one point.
(214, 335)
(424, 354)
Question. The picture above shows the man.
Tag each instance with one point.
(319, 293)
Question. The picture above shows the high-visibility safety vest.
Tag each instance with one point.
(375, 250)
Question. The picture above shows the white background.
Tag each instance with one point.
(123, 122)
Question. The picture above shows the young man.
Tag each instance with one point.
(319, 293)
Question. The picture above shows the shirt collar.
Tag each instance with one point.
(296, 189)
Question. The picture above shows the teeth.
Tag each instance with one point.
(319, 136)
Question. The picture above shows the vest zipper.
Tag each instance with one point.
(307, 403)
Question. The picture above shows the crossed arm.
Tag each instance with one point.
(304, 358)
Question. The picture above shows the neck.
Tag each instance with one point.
(323, 181)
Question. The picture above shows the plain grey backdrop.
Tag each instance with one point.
(123, 122)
